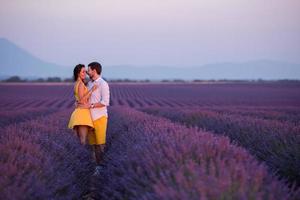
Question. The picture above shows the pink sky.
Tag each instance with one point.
(153, 32)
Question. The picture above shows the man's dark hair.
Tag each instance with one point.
(96, 66)
(77, 70)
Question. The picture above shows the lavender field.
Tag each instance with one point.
(164, 141)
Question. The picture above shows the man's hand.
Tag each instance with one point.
(94, 88)
(80, 105)
(87, 105)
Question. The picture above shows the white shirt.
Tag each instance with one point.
(100, 95)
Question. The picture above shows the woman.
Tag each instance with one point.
(81, 120)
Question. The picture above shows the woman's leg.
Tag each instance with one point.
(83, 131)
(76, 133)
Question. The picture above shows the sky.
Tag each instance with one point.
(154, 32)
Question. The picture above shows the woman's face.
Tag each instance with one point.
(82, 73)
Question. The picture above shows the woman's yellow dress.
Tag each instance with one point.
(80, 116)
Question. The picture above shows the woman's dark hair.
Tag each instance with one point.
(77, 70)
(97, 66)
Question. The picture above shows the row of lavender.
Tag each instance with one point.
(20, 97)
(41, 159)
(59, 97)
(289, 114)
(274, 141)
(164, 95)
(16, 116)
(150, 157)
(175, 95)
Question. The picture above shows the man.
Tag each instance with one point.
(99, 101)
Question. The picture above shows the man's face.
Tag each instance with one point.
(90, 72)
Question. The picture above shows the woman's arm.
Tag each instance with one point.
(83, 96)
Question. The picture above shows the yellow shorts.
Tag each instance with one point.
(98, 136)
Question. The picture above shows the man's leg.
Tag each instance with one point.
(98, 138)
(98, 154)
(102, 147)
(91, 141)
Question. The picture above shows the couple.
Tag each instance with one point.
(89, 119)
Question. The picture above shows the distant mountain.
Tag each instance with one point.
(17, 61)
(262, 69)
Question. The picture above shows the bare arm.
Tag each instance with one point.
(84, 96)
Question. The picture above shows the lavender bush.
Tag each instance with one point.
(41, 159)
(15, 116)
(277, 143)
(287, 114)
(186, 95)
(148, 157)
